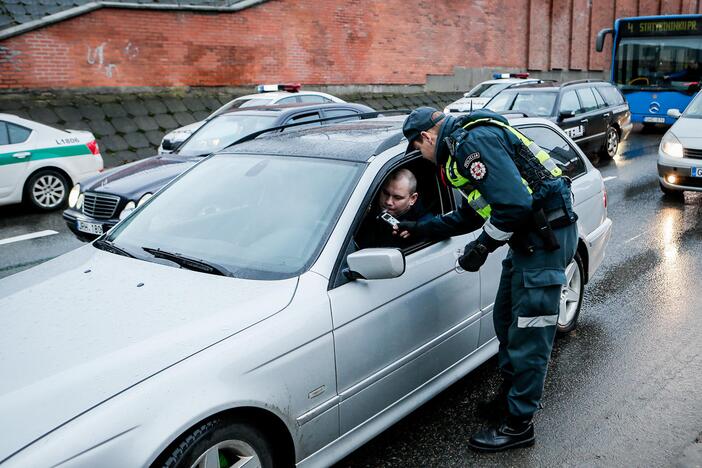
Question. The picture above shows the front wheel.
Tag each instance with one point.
(571, 296)
(611, 144)
(222, 444)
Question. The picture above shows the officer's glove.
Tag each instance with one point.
(474, 255)
(489, 242)
(414, 228)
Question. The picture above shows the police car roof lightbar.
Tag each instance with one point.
(362, 116)
(499, 76)
(289, 87)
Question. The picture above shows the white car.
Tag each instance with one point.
(268, 95)
(477, 97)
(39, 164)
(232, 319)
(680, 151)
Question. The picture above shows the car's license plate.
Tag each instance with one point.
(654, 119)
(696, 172)
(90, 228)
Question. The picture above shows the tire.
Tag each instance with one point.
(671, 193)
(46, 190)
(611, 144)
(230, 441)
(571, 296)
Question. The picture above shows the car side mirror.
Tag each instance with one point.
(375, 263)
(674, 113)
(566, 114)
(169, 145)
(466, 94)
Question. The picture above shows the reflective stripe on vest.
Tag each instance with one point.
(479, 204)
(541, 155)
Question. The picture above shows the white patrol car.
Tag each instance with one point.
(274, 94)
(39, 164)
(477, 97)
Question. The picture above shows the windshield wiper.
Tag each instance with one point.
(107, 246)
(189, 262)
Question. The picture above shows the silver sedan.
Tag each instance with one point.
(232, 320)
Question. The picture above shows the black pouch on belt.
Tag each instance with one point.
(543, 228)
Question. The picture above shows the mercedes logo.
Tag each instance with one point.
(654, 107)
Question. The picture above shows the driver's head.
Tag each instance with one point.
(399, 193)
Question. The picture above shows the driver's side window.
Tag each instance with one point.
(409, 192)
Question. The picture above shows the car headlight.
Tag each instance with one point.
(144, 199)
(671, 146)
(79, 203)
(73, 196)
(128, 208)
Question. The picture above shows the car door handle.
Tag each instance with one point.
(606, 115)
(584, 121)
(21, 155)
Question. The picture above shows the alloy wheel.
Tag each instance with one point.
(612, 142)
(48, 191)
(570, 295)
(229, 454)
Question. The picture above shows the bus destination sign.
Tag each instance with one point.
(676, 27)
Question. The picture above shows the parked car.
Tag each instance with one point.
(477, 97)
(237, 321)
(592, 112)
(266, 95)
(39, 164)
(100, 202)
(680, 151)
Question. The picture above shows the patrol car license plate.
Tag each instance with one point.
(654, 119)
(696, 172)
(90, 228)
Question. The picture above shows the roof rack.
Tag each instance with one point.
(530, 83)
(362, 116)
(587, 80)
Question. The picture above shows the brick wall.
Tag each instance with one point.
(315, 42)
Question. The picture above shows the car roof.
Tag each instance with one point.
(356, 141)
(555, 87)
(285, 109)
(281, 94)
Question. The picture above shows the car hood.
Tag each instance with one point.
(81, 328)
(687, 128)
(148, 175)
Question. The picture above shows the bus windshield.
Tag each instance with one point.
(658, 63)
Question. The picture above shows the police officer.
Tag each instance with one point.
(516, 192)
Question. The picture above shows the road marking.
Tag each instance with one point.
(635, 237)
(609, 178)
(33, 235)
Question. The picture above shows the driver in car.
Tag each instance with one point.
(398, 197)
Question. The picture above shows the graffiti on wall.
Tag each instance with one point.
(97, 56)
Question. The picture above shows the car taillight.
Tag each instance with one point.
(604, 196)
(93, 147)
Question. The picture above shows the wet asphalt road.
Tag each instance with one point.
(622, 390)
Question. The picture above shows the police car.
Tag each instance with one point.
(39, 164)
(267, 95)
(477, 97)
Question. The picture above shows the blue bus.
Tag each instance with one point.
(655, 63)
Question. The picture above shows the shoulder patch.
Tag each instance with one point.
(470, 158)
(477, 170)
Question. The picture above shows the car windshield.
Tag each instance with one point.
(536, 104)
(251, 216)
(222, 131)
(658, 62)
(486, 90)
(694, 110)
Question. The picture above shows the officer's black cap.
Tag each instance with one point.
(420, 120)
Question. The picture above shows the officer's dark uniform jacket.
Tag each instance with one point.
(473, 155)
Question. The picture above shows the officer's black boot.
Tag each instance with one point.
(495, 409)
(513, 433)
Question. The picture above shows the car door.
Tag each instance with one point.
(570, 118)
(392, 336)
(15, 153)
(594, 117)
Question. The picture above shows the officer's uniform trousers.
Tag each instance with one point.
(525, 316)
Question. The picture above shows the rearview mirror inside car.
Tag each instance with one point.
(375, 263)
(674, 113)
